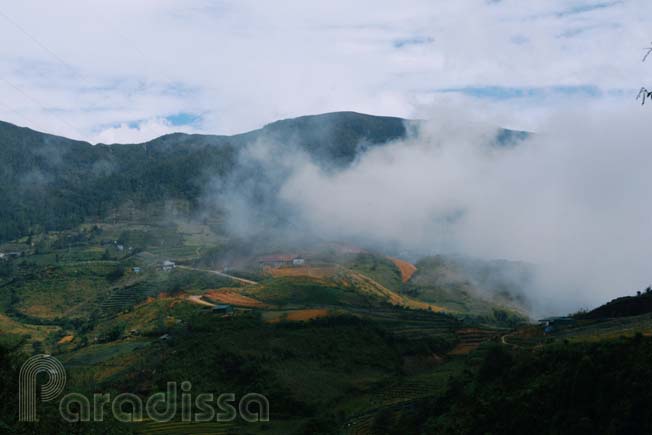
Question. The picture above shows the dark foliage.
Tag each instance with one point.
(623, 307)
(564, 389)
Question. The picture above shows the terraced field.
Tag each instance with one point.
(369, 286)
(400, 397)
(121, 298)
(412, 324)
(472, 338)
(295, 315)
(609, 328)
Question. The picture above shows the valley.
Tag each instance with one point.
(149, 283)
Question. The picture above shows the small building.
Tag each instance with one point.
(165, 337)
(552, 324)
(222, 309)
(136, 269)
(168, 265)
(8, 255)
(298, 261)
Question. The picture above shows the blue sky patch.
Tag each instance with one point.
(417, 40)
(507, 93)
(183, 118)
(588, 7)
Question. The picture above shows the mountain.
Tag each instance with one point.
(50, 182)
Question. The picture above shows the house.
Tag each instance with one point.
(552, 324)
(222, 309)
(276, 261)
(8, 255)
(168, 265)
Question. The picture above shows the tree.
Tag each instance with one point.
(644, 92)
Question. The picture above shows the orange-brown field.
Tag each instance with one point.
(407, 269)
(366, 284)
(296, 315)
(233, 297)
(151, 299)
(66, 339)
(309, 271)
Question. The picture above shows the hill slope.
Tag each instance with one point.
(623, 307)
(49, 182)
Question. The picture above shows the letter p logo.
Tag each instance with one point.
(27, 384)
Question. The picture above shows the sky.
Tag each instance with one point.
(128, 71)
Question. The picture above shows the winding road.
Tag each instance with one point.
(225, 275)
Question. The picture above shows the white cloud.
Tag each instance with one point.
(243, 63)
(572, 200)
(138, 132)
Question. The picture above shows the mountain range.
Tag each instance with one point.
(51, 183)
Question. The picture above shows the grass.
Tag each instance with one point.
(406, 388)
(32, 333)
(378, 268)
(608, 329)
(69, 290)
(101, 353)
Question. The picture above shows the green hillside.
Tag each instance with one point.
(51, 183)
(623, 307)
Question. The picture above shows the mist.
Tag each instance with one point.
(573, 199)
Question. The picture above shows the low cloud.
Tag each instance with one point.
(138, 132)
(573, 199)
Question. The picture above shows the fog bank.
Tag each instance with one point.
(573, 198)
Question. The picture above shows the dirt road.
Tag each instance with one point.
(215, 272)
(198, 300)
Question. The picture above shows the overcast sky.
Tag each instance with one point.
(125, 71)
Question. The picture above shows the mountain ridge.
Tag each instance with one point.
(50, 182)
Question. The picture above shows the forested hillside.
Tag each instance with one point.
(51, 182)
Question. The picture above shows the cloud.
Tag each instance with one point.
(241, 64)
(572, 199)
(538, 94)
(137, 132)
